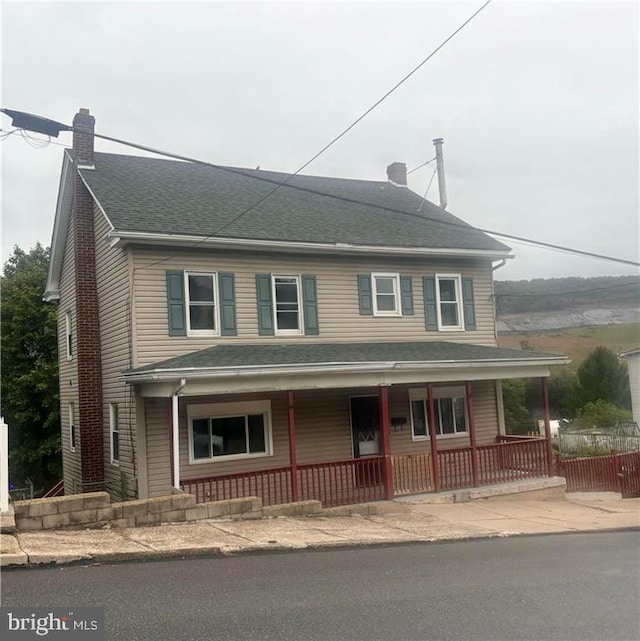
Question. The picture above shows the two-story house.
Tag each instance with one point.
(332, 339)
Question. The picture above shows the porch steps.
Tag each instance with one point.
(527, 489)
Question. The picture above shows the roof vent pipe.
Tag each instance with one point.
(442, 185)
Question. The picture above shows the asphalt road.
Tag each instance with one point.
(574, 587)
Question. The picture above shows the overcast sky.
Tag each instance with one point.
(537, 103)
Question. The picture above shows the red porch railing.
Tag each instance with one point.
(273, 486)
(412, 473)
(508, 460)
(342, 482)
(56, 490)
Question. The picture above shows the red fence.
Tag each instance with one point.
(612, 473)
(342, 482)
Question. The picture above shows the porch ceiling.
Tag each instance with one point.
(267, 367)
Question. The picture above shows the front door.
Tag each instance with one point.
(365, 425)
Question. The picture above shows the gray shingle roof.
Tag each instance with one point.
(233, 356)
(172, 197)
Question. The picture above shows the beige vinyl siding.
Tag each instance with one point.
(115, 339)
(158, 422)
(485, 411)
(338, 308)
(68, 370)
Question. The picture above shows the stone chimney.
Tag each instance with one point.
(397, 173)
(88, 379)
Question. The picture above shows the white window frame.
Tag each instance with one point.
(114, 428)
(72, 425)
(439, 392)
(216, 305)
(458, 288)
(68, 335)
(225, 410)
(287, 332)
(395, 277)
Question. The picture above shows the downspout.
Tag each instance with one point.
(176, 433)
(494, 268)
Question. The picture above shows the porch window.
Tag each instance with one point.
(222, 434)
(450, 410)
(386, 288)
(286, 300)
(202, 294)
(449, 302)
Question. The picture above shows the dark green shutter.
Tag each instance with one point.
(364, 295)
(310, 305)
(406, 295)
(469, 306)
(175, 303)
(227, 287)
(265, 305)
(430, 303)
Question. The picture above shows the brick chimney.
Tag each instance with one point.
(89, 372)
(397, 173)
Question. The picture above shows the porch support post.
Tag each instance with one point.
(472, 432)
(385, 435)
(431, 420)
(293, 460)
(175, 441)
(547, 423)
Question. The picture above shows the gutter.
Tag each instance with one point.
(172, 374)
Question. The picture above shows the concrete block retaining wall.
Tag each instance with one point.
(95, 510)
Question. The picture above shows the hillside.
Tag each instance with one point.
(575, 342)
(543, 295)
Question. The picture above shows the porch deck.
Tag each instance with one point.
(362, 480)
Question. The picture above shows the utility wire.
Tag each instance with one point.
(568, 293)
(423, 217)
(424, 164)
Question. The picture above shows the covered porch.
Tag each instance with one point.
(341, 432)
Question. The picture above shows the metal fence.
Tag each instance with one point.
(600, 442)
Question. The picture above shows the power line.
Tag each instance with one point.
(424, 164)
(539, 243)
(568, 293)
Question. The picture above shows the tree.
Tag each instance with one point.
(602, 376)
(600, 414)
(29, 377)
(516, 416)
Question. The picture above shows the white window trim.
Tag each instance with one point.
(72, 426)
(449, 391)
(216, 305)
(458, 285)
(287, 332)
(68, 336)
(396, 294)
(223, 410)
(113, 427)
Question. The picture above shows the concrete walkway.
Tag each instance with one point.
(395, 522)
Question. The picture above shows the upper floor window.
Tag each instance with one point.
(68, 336)
(386, 289)
(385, 294)
(286, 301)
(201, 303)
(449, 299)
(201, 294)
(229, 431)
(114, 430)
(450, 412)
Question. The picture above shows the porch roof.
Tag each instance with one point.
(424, 358)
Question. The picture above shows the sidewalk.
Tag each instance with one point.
(396, 522)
